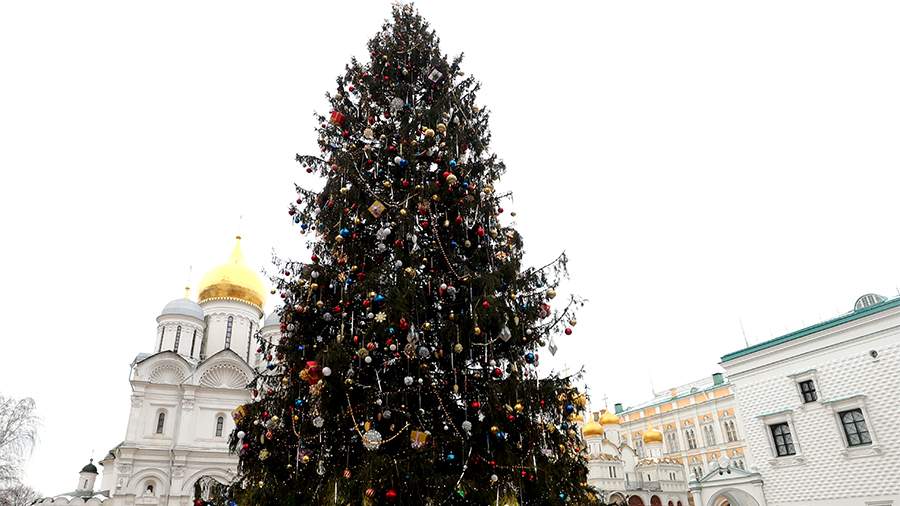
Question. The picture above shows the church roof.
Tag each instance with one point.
(183, 307)
(89, 468)
(856, 314)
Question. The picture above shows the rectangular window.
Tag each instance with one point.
(781, 436)
(808, 391)
(855, 427)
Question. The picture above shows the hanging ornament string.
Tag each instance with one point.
(356, 424)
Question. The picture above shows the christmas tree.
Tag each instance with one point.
(406, 371)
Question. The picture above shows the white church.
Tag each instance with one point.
(175, 448)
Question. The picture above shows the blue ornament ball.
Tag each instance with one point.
(379, 298)
(298, 403)
(452, 164)
(403, 163)
(570, 408)
(345, 233)
(529, 357)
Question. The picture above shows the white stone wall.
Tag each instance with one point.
(243, 317)
(193, 396)
(825, 471)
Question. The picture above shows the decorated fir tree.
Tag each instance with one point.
(406, 372)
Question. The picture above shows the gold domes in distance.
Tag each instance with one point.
(652, 435)
(609, 418)
(233, 280)
(592, 428)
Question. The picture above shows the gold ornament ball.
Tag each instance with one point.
(441, 128)
(339, 239)
(458, 348)
(477, 331)
(429, 133)
(451, 179)
(320, 304)
(403, 212)
(551, 293)
(519, 407)
(494, 429)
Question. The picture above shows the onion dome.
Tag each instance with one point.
(609, 418)
(652, 435)
(183, 307)
(592, 428)
(273, 320)
(90, 468)
(233, 280)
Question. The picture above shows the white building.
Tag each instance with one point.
(698, 422)
(625, 477)
(203, 357)
(819, 410)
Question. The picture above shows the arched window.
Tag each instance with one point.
(193, 343)
(160, 422)
(177, 338)
(709, 436)
(691, 439)
(730, 431)
(228, 328)
(149, 489)
(220, 423)
(249, 340)
(162, 334)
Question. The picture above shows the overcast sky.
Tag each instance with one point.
(703, 164)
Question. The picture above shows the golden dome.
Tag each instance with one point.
(233, 280)
(609, 418)
(592, 428)
(652, 435)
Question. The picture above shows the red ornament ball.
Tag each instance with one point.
(568, 331)
(391, 495)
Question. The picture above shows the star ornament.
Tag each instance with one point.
(381, 317)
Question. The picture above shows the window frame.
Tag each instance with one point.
(803, 376)
(709, 434)
(220, 425)
(671, 437)
(690, 437)
(229, 329)
(849, 404)
(775, 459)
(177, 339)
(729, 428)
(786, 447)
(808, 391)
(860, 427)
(160, 426)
